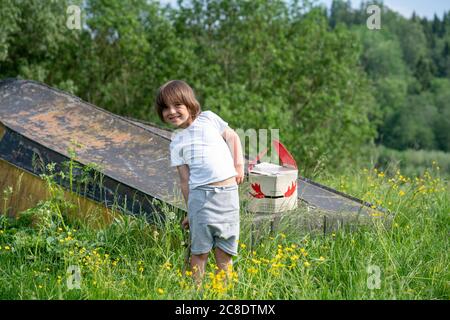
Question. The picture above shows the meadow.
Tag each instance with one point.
(46, 255)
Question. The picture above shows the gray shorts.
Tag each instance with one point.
(213, 214)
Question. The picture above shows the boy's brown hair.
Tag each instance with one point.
(177, 91)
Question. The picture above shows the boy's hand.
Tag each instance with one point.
(185, 223)
(240, 173)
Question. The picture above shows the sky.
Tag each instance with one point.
(406, 7)
(423, 8)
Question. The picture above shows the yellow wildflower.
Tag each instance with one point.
(292, 265)
(295, 257)
(252, 270)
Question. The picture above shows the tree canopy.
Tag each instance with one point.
(327, 82)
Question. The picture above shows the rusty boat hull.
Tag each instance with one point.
(42, 125)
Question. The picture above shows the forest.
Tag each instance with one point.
(340, 93)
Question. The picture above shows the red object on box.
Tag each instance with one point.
(284, 155)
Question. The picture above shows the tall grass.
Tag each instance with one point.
(411, 162)
(131, 259)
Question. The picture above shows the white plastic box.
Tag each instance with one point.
(273, 188)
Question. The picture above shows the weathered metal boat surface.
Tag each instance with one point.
(43, 122)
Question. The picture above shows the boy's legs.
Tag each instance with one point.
(225, 264)
(198, 264)
(223, 260)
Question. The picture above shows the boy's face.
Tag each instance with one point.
(177, 115)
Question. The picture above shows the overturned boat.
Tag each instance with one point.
(131, 172)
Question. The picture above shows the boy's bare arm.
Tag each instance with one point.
(234, 143)
(183, 172)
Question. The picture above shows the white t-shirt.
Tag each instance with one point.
(202, 147)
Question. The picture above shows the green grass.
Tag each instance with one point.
(131, 259)
(411, 162)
